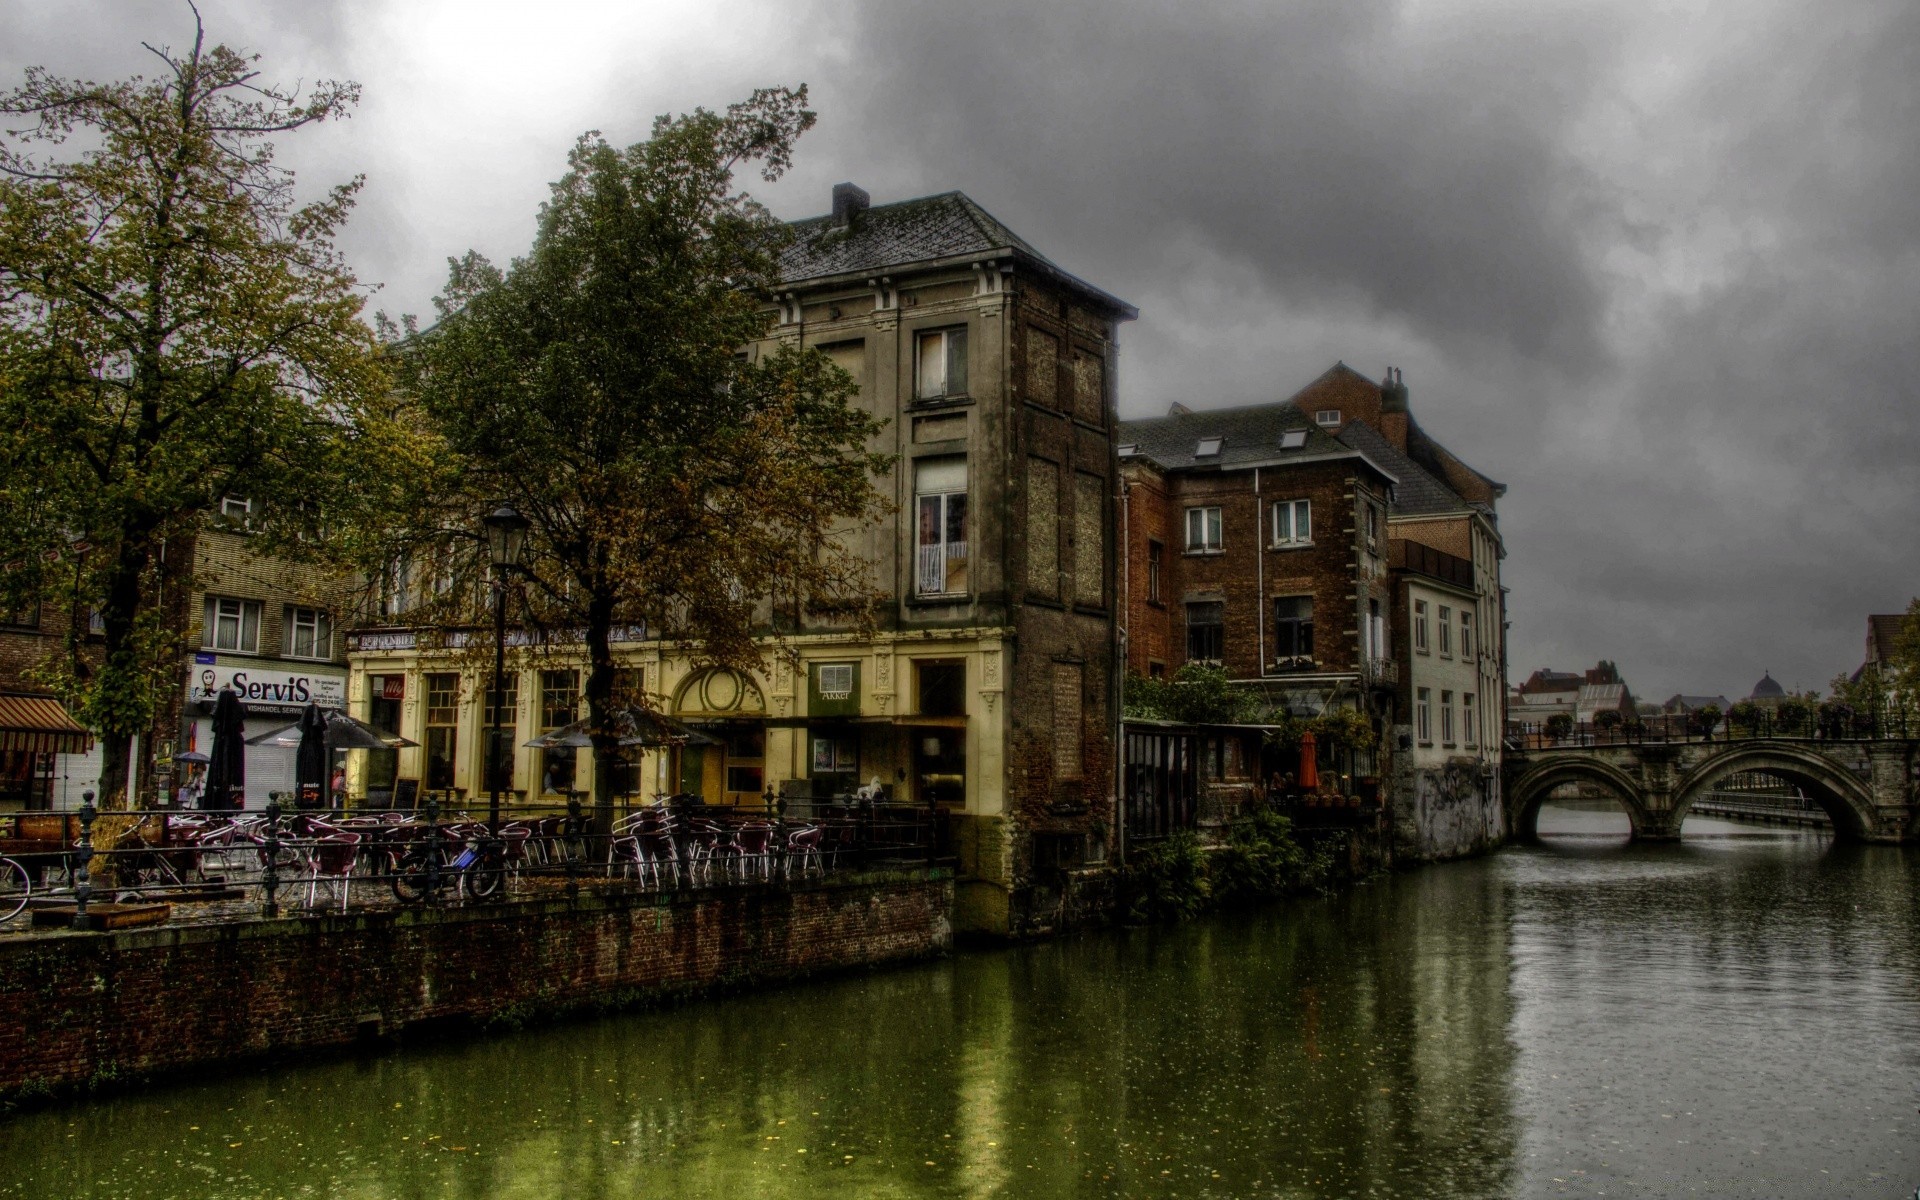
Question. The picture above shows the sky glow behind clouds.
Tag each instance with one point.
(1654, 268)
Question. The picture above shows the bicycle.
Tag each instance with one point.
(16, 886)
(424, 867)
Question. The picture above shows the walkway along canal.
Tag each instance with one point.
(1734, 1014)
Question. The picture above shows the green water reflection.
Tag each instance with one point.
(1735, 1015)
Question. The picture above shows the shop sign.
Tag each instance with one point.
(267, 690)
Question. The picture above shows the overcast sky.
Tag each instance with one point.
(1656, 267)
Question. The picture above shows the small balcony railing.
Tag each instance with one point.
(1380, 672)
(933, 564)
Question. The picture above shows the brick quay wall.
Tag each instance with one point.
(82, 1011)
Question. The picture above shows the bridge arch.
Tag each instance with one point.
(1846, 798)
(1528, 792)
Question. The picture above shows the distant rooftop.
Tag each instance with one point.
(1232, 437)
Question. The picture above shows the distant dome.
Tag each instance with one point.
(1767, 689)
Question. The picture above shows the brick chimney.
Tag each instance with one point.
(1393, 409)
(849, 201)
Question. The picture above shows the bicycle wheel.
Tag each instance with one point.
(483, 880)
(409, 880)
(15, 886)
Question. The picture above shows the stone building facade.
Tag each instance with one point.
(989, 690)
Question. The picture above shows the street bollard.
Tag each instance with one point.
(270, 870)
(82, 877)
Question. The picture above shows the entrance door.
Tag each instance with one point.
(383, 713)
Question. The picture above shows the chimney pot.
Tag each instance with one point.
(849, 201)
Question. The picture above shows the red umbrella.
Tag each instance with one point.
(1309, 767)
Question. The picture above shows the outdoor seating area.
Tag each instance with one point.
(232, 866)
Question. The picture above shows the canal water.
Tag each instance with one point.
(1735, 1015)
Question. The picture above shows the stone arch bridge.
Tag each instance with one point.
(1867, 787)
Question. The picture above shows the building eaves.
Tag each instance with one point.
(1418, 491)
(1249, 436)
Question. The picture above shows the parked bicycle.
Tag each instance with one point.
(427, 865)
(16, 887)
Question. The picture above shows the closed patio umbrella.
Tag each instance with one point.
(310, 761)
(1309, 764)
(227, 772)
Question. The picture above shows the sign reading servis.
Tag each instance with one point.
(267, 690)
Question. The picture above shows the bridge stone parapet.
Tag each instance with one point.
(1866, 787)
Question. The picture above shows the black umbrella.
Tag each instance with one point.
(310, 761)
(227, 773)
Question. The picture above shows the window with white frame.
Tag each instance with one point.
(1420, 626)
(1376, 631)
(1203, 530)
(1469, 720)
(1327, 416)
(1446, 718)
(309, 633)
(1373, 526)
(1446, 631)
(1423, 716)
(940, 543)
(231, 624)
(940, 364)
(238, 509)
(1466, 633)
(1208, 447)
(1293, 523)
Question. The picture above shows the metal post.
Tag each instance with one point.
(499, 692)
(576, 830)
(270, 872)
(433, 848)
(778, 850)
(82, 878)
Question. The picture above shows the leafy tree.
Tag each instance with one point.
(1196, 695)
(1887, 694)
(174, 326)
(1794, 715)
(1560, 726)
(596, 385)
(1745, 717)
(1702, 721)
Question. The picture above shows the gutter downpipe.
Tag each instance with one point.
(1120, 672)
(1260, 571)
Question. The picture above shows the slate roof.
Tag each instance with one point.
(1883, 633)
(887, 236)
(1682, 702)
(1419, 492)
(1249, 434)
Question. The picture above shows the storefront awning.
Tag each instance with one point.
(40, 724)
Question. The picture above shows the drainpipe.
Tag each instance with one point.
(1260, 570)
(1120, 674)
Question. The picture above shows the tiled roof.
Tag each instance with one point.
(1883, 633)
(1418, 492)
(886, 236)
(1249, 434)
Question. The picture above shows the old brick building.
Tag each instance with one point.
(989, 689)
(1326, 551)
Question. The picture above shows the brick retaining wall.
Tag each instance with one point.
(88, 1009)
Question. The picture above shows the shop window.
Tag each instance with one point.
(385, 696)
(746, 747)
(559, 702)
(497, 770)
(443, 727)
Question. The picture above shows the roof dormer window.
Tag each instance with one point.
(1209, 447)
(1293, 439)
(1327, 416)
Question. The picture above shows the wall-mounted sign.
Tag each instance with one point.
(266, 690)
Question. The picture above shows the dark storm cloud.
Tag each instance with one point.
(1655, 267)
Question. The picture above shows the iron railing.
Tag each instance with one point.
(1826, 724)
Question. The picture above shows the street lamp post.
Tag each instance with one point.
(506, 531)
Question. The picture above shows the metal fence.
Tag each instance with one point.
(233, 866)
(1828, 724)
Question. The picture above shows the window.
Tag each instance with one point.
(231, 624)
(497, 769)
(1373, 526)
(1446, 718)
(941, 364)
(1466, 633)
(559, 698)
(1446, 632)
(1293, 633)
(1469, 720)
(1293, 523)
(1156, 670)
(1293, 439)
(443, 727)
(236, 509)
(836, 681)
(835, 754)
(1209, 447)
(1376, 631)
(23, 616)
(310, 635)
(746, 758)
(1203, 530)
(1155, 553)
(940, 561)
(1420, 626)
(1327, 416)
(1423, 716)
(1206, 631)
(942, 687)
